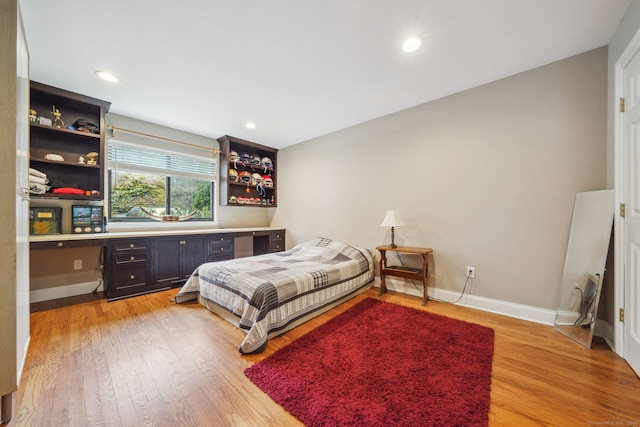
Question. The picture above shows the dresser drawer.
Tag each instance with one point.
(129, 244)
(130, 277)
(277, 241)
(221, 239)
(220, 247)
(221, 250)
(130, 257)
(220, 257)
(277, 246)
(61, 244)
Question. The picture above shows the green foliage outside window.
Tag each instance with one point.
(133, 191)
(202, 198)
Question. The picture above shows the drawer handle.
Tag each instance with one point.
(60, 244)
(132, 258)
(222, 249)
(132, 246)
(132, 277)
(182, 242)
(277, 236)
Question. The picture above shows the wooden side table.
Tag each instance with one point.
(405, 272)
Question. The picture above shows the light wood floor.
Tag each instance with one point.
(145, 361)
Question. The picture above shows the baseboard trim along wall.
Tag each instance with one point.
(518, 311)
(65, 291)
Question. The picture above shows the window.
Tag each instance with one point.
(146, 180)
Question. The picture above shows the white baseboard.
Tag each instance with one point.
(518, 311)
(568, 318)
(48, 294)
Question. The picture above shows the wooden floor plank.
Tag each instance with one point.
(146, 361)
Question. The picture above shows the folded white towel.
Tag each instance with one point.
(36, 172)
(37, 180)
(35, 188)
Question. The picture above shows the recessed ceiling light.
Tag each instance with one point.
(104, 75)
(411, 44)
(250, 125)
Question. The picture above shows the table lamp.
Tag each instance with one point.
(391, 219)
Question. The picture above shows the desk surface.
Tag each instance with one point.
(120, 234)
(407, 249)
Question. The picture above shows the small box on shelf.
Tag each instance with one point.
(45, 221)
(86, 219)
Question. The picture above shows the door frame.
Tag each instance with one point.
(632, 48)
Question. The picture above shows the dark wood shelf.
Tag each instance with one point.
(52, 196)
(243, 184)
(66, 163)
(64, 130)
(230, 189)
(68, 143)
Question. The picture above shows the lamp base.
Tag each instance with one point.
(393, 244)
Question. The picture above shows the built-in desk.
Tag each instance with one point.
(50, 241)
(139, 262)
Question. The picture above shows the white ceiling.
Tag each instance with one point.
(298, 68)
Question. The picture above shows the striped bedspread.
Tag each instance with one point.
(268, 292)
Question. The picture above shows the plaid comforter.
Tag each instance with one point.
(268, 292)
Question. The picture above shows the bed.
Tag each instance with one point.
(267, 295)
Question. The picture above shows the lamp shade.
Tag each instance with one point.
(391, 219)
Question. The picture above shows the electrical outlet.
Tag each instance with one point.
(471, 272)
(77, 264)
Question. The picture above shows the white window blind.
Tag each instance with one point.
(129, 156)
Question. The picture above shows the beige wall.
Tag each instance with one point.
(486, 177)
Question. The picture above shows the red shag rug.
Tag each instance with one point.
(383, 364)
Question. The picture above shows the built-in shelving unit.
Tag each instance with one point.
(62, 153)
(241, 163)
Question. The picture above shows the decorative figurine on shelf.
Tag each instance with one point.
(33, 116)
(92, 158)
(81, 160)
(57, 120)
